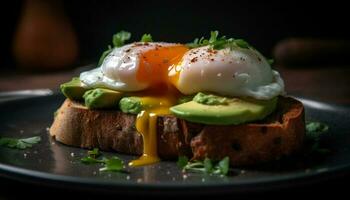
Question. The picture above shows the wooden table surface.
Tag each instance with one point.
(328, 83)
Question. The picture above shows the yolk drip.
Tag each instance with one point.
(153, 69)
(146, 125)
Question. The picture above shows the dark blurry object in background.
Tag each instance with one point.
(44, 39)
(312, 52)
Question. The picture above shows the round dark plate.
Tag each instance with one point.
(55, 164)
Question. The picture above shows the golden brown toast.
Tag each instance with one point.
(282, 133)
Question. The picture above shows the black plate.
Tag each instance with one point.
(55, 164)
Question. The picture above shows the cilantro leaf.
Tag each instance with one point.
(94, 153)
(316, 127)
(113, 164)
(182, 161)
(109, 164)
(120, 38)
(206, 166)
(146, 38)
(314, 130)
(90, 160)
(241, 43)
(224, 165)
(23, 143)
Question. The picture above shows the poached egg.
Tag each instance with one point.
(159, 73)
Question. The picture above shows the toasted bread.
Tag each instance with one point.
(282, 133)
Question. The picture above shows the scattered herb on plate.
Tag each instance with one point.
(314, 130)
(109, 164)
(22, 143)
(206, 166)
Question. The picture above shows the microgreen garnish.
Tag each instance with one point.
(118, 40)
(206, 166)
(217, 42)
(109, 164)
(22, 143)
(146, 38)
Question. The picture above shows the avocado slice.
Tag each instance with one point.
(236, 111)
(102, 98)
(73, 89)
(131, 105)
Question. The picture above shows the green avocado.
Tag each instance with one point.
(131, 105)
(235, 111)
(102, 98)
(210, 99)
(73, 89)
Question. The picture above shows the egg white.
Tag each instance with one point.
(230, 72)
(119, 69)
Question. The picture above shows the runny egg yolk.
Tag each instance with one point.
(153, 68)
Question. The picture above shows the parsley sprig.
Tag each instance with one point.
(109, 164)
(216, 42)
(22, 143)
(205, 166)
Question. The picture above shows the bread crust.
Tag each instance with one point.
(282, 133)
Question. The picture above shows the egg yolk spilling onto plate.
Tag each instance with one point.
(153, 69)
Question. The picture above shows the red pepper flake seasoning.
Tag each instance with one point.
(194, 59)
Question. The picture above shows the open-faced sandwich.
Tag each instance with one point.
(212, 98)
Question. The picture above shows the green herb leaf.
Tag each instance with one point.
(217, 42)
(182, 161)
(316, 127)
(314, 130)
(241, 43)
(224, 165)
(146, 38)
(94, 153)
(23, 143)
(104, 55)
(90, 160)
(113, 164)
(206, 166)
(109, 164)
(120, 38)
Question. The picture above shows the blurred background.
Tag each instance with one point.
(44, 43)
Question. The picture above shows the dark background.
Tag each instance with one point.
(263, 24)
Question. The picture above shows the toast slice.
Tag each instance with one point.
(282, 133)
